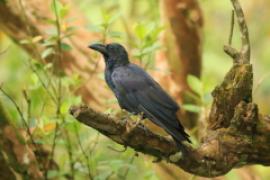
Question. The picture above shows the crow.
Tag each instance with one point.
(138, 93)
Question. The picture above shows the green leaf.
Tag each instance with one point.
(53, 174)
(34, 78)
(24, 41)
(35, 83)
(105, 17)
(115, 34)
(70, 31)
(151, 49)
(140, 31)
(71, 28)
(154, 30)
(191, 108)
(56, 7)
(103, 175)
(49, 21)
(52, 32)
(65, 107)
(64, 11)
(113, 18)
(38, 65)
(232, 175)
(195, 84)
(36, 39)
(48, 43)
(65, 47)
(48, 66)
(47, 52)
(94, 28)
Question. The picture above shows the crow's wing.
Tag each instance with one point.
(138, 92)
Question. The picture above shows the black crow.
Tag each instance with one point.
(137, 92)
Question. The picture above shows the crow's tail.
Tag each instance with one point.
(179, 135)
(180, 145)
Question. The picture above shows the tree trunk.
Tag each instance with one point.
(182, 55)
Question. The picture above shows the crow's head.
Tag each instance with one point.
(113, 53)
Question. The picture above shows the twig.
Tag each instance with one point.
(84, 153)
(124, 177)
(59, 60)
(36, 54)
(70, 154)
(43, 84)
(50, 159)
(231, 29)
(232, 52)
(95, 143)
(28, 131)
(59, 88)
(245, 50)
(21, 115)
(29, 103)
(243, 56)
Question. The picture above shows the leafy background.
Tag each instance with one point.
(128, 22)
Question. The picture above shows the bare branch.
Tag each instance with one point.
(235, 55)
(245, 50)
(242, 56)
(220, 151)
(231, 29)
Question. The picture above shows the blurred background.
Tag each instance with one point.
(33, 84)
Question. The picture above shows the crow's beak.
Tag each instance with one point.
(99, 47)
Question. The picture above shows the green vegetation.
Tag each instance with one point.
(44, 94)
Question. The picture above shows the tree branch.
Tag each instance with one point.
(220, 151)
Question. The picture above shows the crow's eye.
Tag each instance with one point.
(109, 47)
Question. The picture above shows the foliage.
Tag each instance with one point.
(139, 27)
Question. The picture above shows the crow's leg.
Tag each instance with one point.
(139, 121)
